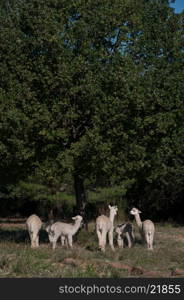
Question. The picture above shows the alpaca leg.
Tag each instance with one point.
(63, 240)
(103, 240)
(110, 235)
(70, 241)
(54, 244)
(132, 237)
(66, 242)
(129, 240)
(34, 240)
(152, 239)
(150, 242)
(37, 240)
(31, 238)
(54, 241)
(120, 241)
(148, 239)
(99, 238)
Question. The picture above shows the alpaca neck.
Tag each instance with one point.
(138, 221)
(76, 226)
(111, 217)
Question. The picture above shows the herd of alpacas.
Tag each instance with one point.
(104, 227)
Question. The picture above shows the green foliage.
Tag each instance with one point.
(114, 192)
(38, 192)
(93, 89)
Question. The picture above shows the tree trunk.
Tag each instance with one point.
(81, 200)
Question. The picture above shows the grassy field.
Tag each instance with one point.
(17, 259)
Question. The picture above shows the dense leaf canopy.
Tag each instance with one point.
(91, 98)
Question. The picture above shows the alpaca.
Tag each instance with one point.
(104, 226)
(64, 231)
(34, 224)
(125, 229)
(146, 228)
(47, 227)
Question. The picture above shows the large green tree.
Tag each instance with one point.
(91, 94)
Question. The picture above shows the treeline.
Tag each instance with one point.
(91, 106)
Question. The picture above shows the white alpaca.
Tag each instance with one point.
(34, 225)
(64, 231)
(146, 228)
(64, 241)
(104, 226)
(125, 229)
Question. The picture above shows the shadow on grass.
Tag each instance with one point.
(13, 221)
(20, 236)
(139, 241)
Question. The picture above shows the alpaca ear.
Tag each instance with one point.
(73, 218)
(110, 206)
(140, 212)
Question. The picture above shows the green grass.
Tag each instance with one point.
(17, 259)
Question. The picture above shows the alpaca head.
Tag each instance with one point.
(134, 211)
(113, 209)
(77, 218)
(50, 233)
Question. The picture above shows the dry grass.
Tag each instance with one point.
(17, 259)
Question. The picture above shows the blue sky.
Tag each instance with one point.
(178, 5)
